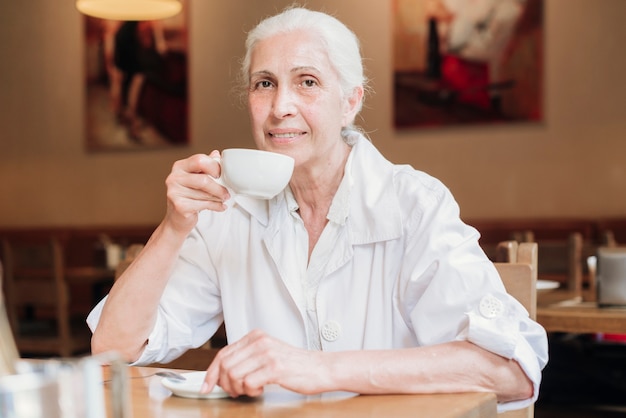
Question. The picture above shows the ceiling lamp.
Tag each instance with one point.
(129, 9)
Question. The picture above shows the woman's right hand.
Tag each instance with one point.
(191, 188)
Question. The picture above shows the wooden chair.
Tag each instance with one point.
(607, 238)
(518, 270)
(506, 252)
(560, 259)
(38, 299)
(8, 350)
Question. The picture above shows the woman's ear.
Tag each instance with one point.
(352, 105)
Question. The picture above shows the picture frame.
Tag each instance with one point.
(460, 63)
(136, 83)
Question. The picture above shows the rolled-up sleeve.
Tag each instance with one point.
(453, 292)
(500, 324)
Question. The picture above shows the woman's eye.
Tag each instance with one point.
(309, 83)
(263, 84)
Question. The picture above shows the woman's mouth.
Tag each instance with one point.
(285, 137)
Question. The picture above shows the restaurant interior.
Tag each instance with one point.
(559, 181)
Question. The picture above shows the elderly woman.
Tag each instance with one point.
(358, 276)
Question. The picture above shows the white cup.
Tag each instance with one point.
(255, 173)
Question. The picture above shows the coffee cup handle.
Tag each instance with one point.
(219, 180)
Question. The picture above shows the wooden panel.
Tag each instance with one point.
(35, 292)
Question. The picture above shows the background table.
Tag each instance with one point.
(561, 311)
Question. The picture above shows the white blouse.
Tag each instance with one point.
(395, 267)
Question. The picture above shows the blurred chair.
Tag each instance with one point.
(607, 238)
(506, 252)
(131, 253)
(518, 271)
(560, 260)
(38, 298)
(523, 236)
(8, 351)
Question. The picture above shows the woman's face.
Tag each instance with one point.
(295, 100)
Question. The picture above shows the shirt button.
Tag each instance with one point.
(490, 307)
(331, 331)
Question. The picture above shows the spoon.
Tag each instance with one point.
(171, 375)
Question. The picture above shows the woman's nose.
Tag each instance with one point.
(284, 104)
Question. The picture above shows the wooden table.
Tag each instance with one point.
(150, 399)
(561, 311)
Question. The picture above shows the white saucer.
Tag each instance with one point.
(547, 284)
(190, 388)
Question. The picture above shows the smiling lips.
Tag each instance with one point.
(286, 135)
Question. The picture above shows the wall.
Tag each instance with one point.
(573, 165)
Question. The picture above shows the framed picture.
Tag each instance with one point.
(136, 83)
(467, 62)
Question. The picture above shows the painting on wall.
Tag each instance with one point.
(136, 83)
(467, 62)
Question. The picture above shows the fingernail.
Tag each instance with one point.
(204, 388)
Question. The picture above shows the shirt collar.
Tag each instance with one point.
(374, 206)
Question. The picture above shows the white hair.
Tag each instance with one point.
(341, 44)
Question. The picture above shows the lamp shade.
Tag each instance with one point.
(129, 9)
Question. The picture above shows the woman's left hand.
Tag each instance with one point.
(246, 366)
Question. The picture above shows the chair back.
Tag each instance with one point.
(607, 238)
(506, 251)
(561, 259)
(518, 270)
(38, 296)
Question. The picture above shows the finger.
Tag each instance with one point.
(217, 370)
(199, 163)
(243, 368)
(252, 383)
(212, 374)
(231, 373)
(191, 207)
(184, 185)
(220, 372)
(237, 381)
(201, 186)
